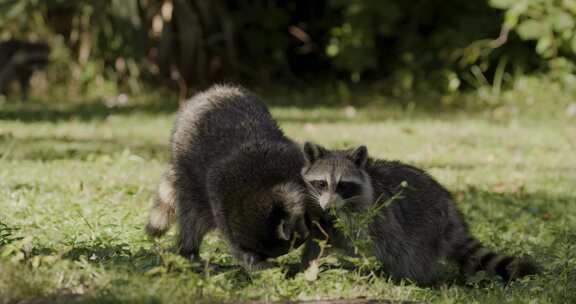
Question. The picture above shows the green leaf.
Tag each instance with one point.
(544, 47)
(332, 49)
(533, 29)
(573, 44)
(570, 5)
(502, 4)
(17, 9)
(562, 21)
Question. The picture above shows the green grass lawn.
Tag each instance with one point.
(76, 184)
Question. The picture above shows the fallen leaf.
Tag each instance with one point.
(311, 274)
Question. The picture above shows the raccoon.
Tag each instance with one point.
(19, 60)
(420, 227)
(232, 169)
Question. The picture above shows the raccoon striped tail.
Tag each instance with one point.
(163, 212)
(472, 257)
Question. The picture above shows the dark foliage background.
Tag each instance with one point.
(448, 45)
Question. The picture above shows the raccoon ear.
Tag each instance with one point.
(312, 152)
(359, 156)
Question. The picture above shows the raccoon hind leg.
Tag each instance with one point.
(195, 219)
(406, 257)
(423, 270)
(193, 228)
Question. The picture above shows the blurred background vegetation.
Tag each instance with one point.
(107, 48)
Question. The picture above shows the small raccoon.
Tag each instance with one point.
(421, 227)
(19, 60)
(234, 170)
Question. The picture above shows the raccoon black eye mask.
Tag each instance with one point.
(232, 169)
(421, 227)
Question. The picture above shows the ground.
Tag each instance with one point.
(76, 181)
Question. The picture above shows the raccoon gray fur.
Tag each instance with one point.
(421, 227)
(232, 169)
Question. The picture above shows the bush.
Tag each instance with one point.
(189, 43)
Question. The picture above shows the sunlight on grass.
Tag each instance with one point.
(78, 190)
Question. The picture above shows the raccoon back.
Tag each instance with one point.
(218, 120)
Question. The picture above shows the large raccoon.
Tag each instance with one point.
(233, 169)
(420, 227)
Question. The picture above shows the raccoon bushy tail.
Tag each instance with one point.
(472, 257)
(163, 212)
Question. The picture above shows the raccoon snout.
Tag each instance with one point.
(328, 201)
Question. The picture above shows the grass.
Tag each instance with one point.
(76, 182)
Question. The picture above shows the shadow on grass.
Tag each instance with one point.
(310, 112)
(499, 207)
(97, 111)
(49, 148)
(70, 297)
(90, 111)
(118, 255)
(93, 110)
(463, 165)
